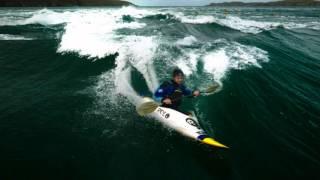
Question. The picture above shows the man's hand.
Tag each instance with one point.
(196, 93)
(167, 101)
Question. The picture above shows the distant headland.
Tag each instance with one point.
(52, 3)
(289, 3)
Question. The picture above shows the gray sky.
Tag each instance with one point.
(184, 2)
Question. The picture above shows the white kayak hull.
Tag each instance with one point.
(182, 123)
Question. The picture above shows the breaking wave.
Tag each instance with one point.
(10, 37)
(97, 33)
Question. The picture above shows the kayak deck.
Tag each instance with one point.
(187, 125)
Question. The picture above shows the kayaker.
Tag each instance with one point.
(170, 93)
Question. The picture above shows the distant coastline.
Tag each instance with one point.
(285, 3)
(57, 3)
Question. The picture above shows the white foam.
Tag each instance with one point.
(14, 17)
(184, 67)
(43, 17)
(217, 63)
(188, 62)
(201, 19)
(10, 21)
(109, 101)
(139, 51)
(49, 17)
(247, 26)
(233, 56)
(93, 34)
(5, 37)
(244, 25)
(193, 59)
(187, 41)
(243, 56)
(234, 22)
(52, 17)
(254, 27)
(309, 25)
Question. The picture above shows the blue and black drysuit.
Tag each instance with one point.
(173, 91)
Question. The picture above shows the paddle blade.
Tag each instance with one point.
(147, 108)
(212, 88)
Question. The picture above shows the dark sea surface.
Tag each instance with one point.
(70, 79)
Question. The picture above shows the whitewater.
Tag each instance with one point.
(70, 79)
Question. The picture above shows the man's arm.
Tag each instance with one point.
(161, 92)
(186, 91)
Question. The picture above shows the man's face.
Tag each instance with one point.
(178, 79)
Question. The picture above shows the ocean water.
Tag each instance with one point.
(70, 79)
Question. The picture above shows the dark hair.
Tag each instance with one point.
(177, 72)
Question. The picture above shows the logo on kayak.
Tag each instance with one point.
(167, 116)
(192, 122)
(163, 113)
(201, 132)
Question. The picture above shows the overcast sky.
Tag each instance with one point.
(184, 2)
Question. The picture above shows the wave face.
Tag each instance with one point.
(70, 79)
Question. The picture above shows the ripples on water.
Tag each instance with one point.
(70, 78)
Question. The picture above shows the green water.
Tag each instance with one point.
(67, 100)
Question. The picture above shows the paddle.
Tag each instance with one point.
(210, 89)
(147, 108)
(150, 106)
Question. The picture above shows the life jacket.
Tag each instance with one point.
(175, 95)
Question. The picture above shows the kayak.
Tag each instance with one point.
(187, 125)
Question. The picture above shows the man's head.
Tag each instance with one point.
(178, 76)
